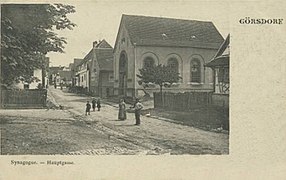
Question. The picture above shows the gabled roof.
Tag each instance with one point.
(103, 44)
(159, 31)
(222, 56)
(76, 61)
(104, 58)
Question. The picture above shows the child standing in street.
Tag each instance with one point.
(87, 110)
(93, 104)
(98, 104)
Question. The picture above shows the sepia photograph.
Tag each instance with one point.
(89, 79)
(120, 89)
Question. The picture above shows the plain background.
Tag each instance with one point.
(257, 116)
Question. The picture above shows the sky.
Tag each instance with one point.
(97, 20)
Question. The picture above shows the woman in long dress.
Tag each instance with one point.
(122, 110)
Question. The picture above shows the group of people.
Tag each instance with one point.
(95, 104)
(122, 109)
(137, 109)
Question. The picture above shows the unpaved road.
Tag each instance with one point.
(153, 135)
(70, 132)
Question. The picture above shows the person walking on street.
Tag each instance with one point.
(87, 110)
(122, 110)
(138, 107)
(93, 104)
(98, 105)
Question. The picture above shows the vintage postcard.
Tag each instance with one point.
(142, 90)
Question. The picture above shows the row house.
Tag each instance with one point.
(95, 71)
(73, 67)
(186, 45)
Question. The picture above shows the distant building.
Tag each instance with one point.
(95, 72)
(73, 66)
(53, 73)
(186, 45)
(60, 76)
(40, 75)
(66, 77)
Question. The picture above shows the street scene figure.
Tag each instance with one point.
(138, 107)
(122, 110)
(87, 110)
(93, 104)
(98, 105)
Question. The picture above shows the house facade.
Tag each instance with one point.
(82, 75)
(186, 45)
(220, 67)
(73, 67)
(95, 72)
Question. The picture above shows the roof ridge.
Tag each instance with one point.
(170, 18)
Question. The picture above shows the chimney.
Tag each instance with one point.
(94, 44)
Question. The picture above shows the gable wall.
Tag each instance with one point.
(129, 49)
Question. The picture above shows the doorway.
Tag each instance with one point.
(123, 71)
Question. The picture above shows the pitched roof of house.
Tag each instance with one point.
(104, 56)
(77, 61)
(105, 59)
(222, 56)
(159, 31)
(103, 44)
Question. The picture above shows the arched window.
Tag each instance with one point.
(123, 73)
(148, 62)
(123, 63)
(173, 62)
(195, 71)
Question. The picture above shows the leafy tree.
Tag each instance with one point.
(161, 75)
(27, 35)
